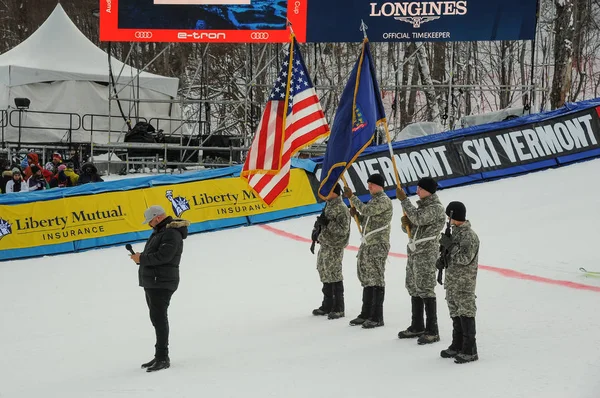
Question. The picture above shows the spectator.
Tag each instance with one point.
(33, 160)
(74, 162)
(50, 167)
(69, 170)
(56, 161)
(6, 177)
(23, 164)
(89, 173)
(37, 181)
(60, 180)
(16, 184)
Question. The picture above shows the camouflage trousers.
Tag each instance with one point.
(461, 303)
(371, 264)
(421, 274)
(329, 264)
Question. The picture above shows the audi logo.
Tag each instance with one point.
(143, 35)
(259, 35)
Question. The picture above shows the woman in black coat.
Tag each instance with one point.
(159, 276)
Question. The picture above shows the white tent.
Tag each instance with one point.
(60, 70)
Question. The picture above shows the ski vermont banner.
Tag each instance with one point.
(488, 154)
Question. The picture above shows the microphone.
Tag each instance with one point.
(128, 247)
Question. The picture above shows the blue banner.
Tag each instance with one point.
(356, 119)
(485, 152)
(462, 20)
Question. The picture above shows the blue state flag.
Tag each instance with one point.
(359, 113)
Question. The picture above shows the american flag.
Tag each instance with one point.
(292, 120)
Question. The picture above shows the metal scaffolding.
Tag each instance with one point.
(226, 92)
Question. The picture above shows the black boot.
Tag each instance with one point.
(417, 325)
(148, 364)
(431, 334)
(161, 359)
(469, 348)
(159, 364)
(457, 340)
(339, 310)
(327, 303)
(367, 304)
(376, 319)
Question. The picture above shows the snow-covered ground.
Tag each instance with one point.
(241, 326)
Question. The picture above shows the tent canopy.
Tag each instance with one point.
(58, 51)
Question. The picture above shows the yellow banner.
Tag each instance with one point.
(226, 198)
(113, 213)
(72, 219)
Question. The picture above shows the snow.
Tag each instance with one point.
(105, 157)
(76, 325)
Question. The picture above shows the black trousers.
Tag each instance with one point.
(158, 301)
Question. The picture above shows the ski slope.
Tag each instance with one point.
(76, 325)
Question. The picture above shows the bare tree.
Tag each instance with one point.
(563, 52)
(433, 108)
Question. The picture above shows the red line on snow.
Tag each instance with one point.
(508, 273)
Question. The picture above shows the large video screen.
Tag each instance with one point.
(226, 21)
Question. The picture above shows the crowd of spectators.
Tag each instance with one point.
(30, 175)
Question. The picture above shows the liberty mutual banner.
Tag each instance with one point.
(462, 20)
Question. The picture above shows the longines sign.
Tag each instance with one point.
(463, 20)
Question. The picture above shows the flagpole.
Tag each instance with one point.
(289, 25)
(398, 181)
(363, 28)
(352, 206)
(389, 142)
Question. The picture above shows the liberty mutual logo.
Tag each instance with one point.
(5, 228)
(179, 204)
(418, 12)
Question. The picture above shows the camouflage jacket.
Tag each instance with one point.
(376, 213)
(337, 232)
(427, 219)
(461, 275)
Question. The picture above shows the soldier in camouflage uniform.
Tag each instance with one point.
(462, 250)
(375, 218)
(333, 238)
(425, 223)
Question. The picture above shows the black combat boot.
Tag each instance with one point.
(431, 334)
(417, 325)
(376, 318)
(338, 310)
(327, 303)
(457, 340)
(469, 348)
(367, 304)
